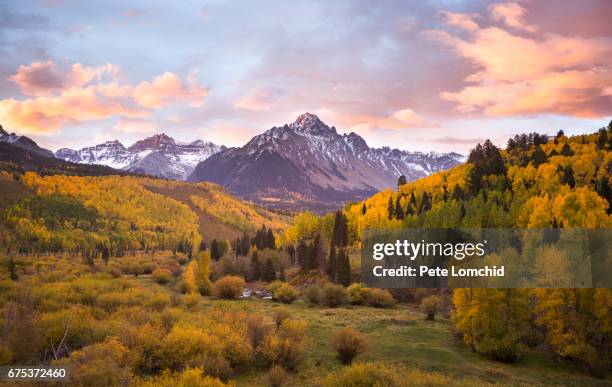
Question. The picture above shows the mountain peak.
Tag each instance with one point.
(157, 141)
(2, 131)
(311, 124)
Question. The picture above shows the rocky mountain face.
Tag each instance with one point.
(23, 142)
(158, 155)
(308, 165)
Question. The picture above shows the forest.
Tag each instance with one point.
(140, 281)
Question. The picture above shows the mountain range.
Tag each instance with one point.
(158, 155)
(308, 165)
(302, 165)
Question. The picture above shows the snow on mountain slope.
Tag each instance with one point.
(157, 155)
(307, 164)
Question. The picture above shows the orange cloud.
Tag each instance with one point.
(515, 75)
(512, 15)
(401, 119)
(81, 94)
(460, 20)
(134, 126)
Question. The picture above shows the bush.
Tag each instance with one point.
(285, 293)
(190, 377)
(334, 295)
(285, 348)
(276, 376)
(162, 276)
(229, 287)
(314, 294)
(379, 298)
(279, 315)
(429, 306)
(365, 374)
(357, 294)
(348, 344)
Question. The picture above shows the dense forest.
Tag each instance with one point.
(142, 281)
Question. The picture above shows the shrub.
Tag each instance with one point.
(229, 287)
(334, 295)
(314, 294)
(190, 377)
(285, 348)
(279, 315)
(429, 306)
(348, 344)
(277, 376)
(357, 294)
(257, 328)
(365, 374)
(285, 293)
(162, 276)
(379, 298)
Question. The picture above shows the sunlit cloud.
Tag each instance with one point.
(515, 75)
(80, 94)
(512, 15)
(262, 98)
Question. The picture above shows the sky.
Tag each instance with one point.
(417, 75)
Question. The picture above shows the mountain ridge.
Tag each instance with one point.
(309, 165)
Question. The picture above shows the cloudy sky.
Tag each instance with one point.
(418, 75)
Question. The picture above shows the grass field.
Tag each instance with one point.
(402, 336)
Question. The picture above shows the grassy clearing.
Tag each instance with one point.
(402, 336)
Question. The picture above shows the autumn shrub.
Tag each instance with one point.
(286, 347)
(257, 328)
(357, 294)
(314, 294)
(229, 287)
(348, 343)
(334, 295)
(162, 276)
(190, 377)
(366, 374)
(429, 306)
(101, 364)
(379, 298)
(285, 293)
(277, 376)
(279, 315)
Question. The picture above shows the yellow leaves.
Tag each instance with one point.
(581, 208)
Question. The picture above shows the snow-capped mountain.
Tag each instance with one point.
(23, 142)
(158, 155)
(307, 164)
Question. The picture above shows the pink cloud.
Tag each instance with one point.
(515, 75)
(80, 93)
(400, 119)
(512, 15)
(460, 20)
(261, 98)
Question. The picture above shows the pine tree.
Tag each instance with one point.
(332, 263)
(340, 230)
(602, 138)
(316, 254)
(603, 189)
(401, 181)
(105, 255)
(390, 208)
(462, 211)
(302, 254)
(538, 157)
(269, 273)
(215, 252)
(568, 176)
(12, 269)
(343, 275)
(566, 150)
(363, 209)
(399, 212)
(270, 241)
(282, 276)
(255, 267)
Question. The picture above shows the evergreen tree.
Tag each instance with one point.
(462, 211)
(12, 269)
(332, 263)
(553, 153)
(458, 193)
(486, 160)
(269, 273)
(390, 208)
(340, 230)
(602, 138)
(568, 176)
(302, 254)
(538, 157)
(401, 181)
(203, 245)
(363, 209)
(566, 150)
(399, 212)
(291, 252)
(282, 275)
(343, 275)
(215, 251)
(105, 255)
(412, 200)
(255, 267)
(270, 240)
(316, 254)
(603, 189)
